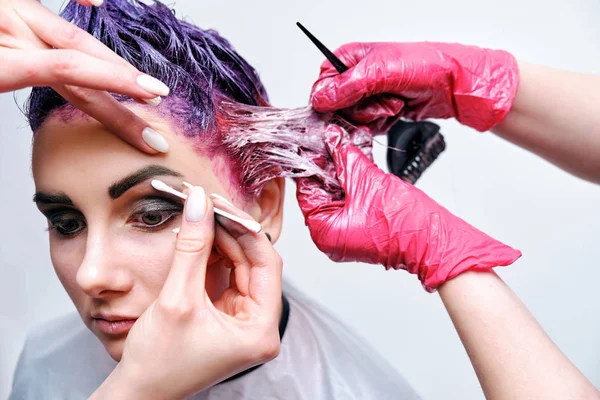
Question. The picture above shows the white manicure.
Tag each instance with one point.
(153, 85)
(97, 3)
(195, 208)
(155, 102)
(155, 140)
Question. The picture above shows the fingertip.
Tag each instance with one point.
(334, 138)
(95, 3)
(336, 93)
(154, 140)
(324, 101)
(196, 206)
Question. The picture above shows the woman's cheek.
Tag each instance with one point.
(66, 257)
(149, 256)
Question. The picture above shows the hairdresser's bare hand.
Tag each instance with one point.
(418, 81)
(383, 220)
(184, 343)
(38, 48)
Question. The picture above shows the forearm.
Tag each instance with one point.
(511, 354)
(556, 115)
(122, 384)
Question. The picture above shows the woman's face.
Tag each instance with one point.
(111, 234)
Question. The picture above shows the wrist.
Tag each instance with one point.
(486, 109)
(127, 383)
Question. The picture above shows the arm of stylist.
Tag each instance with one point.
(184, 343)
(38, 48)
(551, 113)
(384, 220)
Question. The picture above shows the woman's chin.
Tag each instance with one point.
(115, 348)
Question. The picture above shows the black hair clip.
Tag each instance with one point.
(413, 147)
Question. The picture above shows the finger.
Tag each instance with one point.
(338, 92)
(230, 249)
(312, 196)
(264, 285)
(374, 108)
(353, 168)
(349, 54)
(96, 3)
(71, 67)
(334, 91)
(192, 249)
(61, 34)
(116, 118)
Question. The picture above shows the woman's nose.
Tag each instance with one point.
(102, 273)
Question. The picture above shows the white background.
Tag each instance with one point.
(510, 194)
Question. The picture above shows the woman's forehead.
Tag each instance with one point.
(82, 150)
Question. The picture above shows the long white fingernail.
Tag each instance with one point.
(153, 85)
(155, 140)
(97, 3)
(155, 102)
(195, 207)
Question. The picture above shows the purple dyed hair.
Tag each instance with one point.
(198, 65)
(214, 93)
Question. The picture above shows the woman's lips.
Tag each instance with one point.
(113, 327)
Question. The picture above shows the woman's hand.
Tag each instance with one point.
(184, 343)
(418, 81)
(38, 48)
(384, 220)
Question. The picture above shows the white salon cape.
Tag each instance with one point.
(320, 359)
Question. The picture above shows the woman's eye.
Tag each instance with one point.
(152, 219)
(67, 226)
(152, 214)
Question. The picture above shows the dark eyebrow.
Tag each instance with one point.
(117, 189)
(59, 198)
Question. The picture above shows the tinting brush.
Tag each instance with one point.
(414, 145)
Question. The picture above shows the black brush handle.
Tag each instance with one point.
(336, 62)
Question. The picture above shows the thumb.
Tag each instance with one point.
(311, 195)
(186, 279)
(379, 112)
(334, 91)
(351, 166)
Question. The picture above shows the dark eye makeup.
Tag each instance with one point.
(149, 214)
(66, 221)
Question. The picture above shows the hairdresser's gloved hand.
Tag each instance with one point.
(38, 48)
(384, 220)
(184, 342)
(418, 81)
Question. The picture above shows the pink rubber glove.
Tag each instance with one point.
(384, 220)
(418, 81)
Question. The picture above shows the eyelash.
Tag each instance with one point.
(167, 209)
(57, 217)
(167, 215)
